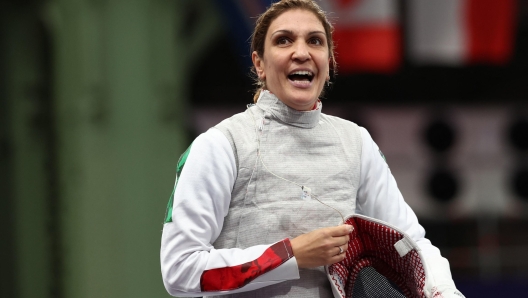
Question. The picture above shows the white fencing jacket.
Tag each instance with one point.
(192, 266)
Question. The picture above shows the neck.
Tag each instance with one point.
(305, 119)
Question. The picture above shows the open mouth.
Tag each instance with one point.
(301, 76)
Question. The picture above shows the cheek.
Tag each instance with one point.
(277, 62)
(324, 70)
(324, 64)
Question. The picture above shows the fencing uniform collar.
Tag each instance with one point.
(304, 119)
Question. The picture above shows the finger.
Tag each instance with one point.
(340, 230)
(337, 258)
(341, 249)
(341, 240)
(345, 248)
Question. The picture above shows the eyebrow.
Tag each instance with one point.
(291, 32)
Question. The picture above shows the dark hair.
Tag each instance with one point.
(275, 10)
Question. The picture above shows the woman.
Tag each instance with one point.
(258, 198)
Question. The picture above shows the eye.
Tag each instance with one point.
(282, 40)
(316, 41)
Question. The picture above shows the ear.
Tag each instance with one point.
(259, 65)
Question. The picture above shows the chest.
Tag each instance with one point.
(293, 181)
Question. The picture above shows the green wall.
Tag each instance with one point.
(27, 248)
(89, 183)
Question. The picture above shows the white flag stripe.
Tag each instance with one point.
(364, 13)
(437, 31)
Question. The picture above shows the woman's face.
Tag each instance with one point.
(295, 65)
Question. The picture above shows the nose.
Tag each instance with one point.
(301, 52)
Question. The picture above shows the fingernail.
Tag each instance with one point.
(350, 228)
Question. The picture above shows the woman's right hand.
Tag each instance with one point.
(322, 246)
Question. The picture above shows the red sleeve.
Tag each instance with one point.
(229, 278)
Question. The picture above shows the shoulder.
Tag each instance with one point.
(211, 141)
(211, 136)
(240, 126)
(237, 130)
(347, 125)
(349, 133)
(343, 126)
(339, 121)
(239, 119)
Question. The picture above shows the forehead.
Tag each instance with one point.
(296, 20)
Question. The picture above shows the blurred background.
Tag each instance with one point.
(98, 99)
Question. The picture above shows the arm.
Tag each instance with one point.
(190, 265)
(379, 197)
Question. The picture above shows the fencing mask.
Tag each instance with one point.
(381, 261)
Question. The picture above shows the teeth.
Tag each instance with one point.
(303, 73)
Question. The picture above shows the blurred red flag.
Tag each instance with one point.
(462, 31)
(367, 35)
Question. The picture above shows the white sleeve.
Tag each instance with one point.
(379, 197)
(190, 265)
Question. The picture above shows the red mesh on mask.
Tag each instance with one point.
(372, 245)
